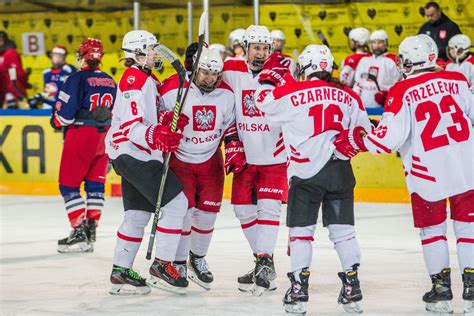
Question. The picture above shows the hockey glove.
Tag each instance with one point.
(234, 157)
(276, 61)
(162, 138)
(350, 142)
(166, 117)
(380, 97)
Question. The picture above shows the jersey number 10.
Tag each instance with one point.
(106, 100)
(432, 112)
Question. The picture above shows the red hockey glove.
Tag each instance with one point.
(234, 157)
(380, 97)
(166, 117)
(350, 142)
(276, 60)
(162, 138)
(273, 77)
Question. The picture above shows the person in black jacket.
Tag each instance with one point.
(439, 27)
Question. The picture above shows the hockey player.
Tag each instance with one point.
(234, 47)
(84, 104)
(461, 59)
(259, 189)
(311, 113)
(198, 163)
(54, 77)
(377, 73)
(428, 119)
(359, 40)
(279, 39)
(135, 143)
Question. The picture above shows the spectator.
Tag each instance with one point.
(439, 27)
(12, 90)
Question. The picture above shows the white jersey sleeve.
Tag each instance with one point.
(428, 119)
(466, 68)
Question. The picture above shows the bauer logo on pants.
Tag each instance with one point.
(248, 104)
(204, 117)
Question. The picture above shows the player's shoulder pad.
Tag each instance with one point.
(132, 79)
(69, 68)
(352, 93)
(470, 59)
(235, 65)
(392, 57)
(169, 84)
(47, 70)
(224, 86)
(353, 60)
(452, 75)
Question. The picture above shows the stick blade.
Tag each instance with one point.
(202, 23)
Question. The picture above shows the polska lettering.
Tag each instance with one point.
(253, 127)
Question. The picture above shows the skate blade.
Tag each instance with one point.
(469, 308)
(79, 247)
(129, 290)
(353, 308)
(443, 307)
(163, 285)
(243, 287)
(295, 309)
(193, 277)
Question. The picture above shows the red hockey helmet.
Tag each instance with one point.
(91, 49)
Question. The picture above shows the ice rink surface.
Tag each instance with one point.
(36, 280)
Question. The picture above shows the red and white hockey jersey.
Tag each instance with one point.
(349, 66)
(384, 68)
(135, 108)
(262, 142)
(312, 114)
(466, 68)
(428, 118)
(210, 115)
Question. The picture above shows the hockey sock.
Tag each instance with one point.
(465, 243)
(301, 248)
(185, 239)
(267, 225)
(74, 203)
(168, 231)
(202, 229)
(95, 199)
(129, 237)
(247, 215)
(346, 245)
(435, 247)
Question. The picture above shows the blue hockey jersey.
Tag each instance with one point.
(83, 92)
(53, 79)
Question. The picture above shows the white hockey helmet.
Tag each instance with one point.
(416, 53)
(218, 47)
(136, 43)
(458, 47)
(315, 58)
(379, 35)
(210, 60)
(235, 37)
(256, 34)
(360, 36)
(278, 35)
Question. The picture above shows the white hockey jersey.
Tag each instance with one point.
(349, 66)
(428, 118)
(210, 115)
(312, 114)
(263, 143)
(135, 109)
(385, 70)
(466, 68)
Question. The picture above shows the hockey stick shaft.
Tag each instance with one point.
(325, 42)
(374, 79)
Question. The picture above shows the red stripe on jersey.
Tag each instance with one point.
(137, 119)
(419, 167)
(128, 238)
(185, 233)
(279, 142)
(268, 222)
(235, 65)
(433, 239)
(120, 140)
(202, 231)
(415, 158)
(299, 160)
(376, 143)
(119, 133)
(294, 238)
(171, 83)
(248, 225)
(142, 148)
(168, 231)
(422, 176)
(466, 240)
(278, 151)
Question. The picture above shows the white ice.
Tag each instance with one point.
(36, 280)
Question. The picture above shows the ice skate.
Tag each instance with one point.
(438, 299)
(350, 296)
(264, 275)
(125, 281)
(199, 271)
(76, 242)
(297, 296)
(468, 291)
(90, 228)
(164, 275)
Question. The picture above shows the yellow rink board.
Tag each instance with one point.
(31, 150)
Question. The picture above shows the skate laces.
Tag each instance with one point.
(172, 271)
(201, 264)
(134, 274)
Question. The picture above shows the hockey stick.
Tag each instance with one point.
(167, 53)
(325, 42)
(374, 79)
(169, 56)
